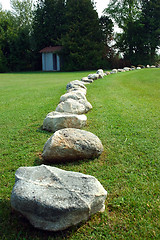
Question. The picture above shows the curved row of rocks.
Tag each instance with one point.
(53, 199)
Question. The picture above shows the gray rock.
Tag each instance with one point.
(55, 121)
(53, 199)
(72, 144)
(74, 106)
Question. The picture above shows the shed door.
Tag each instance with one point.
(55, 62)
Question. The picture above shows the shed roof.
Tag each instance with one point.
(51, 49)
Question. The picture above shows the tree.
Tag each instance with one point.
(139, 21)
(48, 23)
(23, 11)
(124, 11)
(106, 26)
(150, 19)
(82, 42)
(7, 38)
(126, 14)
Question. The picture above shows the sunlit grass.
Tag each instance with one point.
(125, 116)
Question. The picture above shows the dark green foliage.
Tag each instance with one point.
(48, 23)
(15, 38)
(82, 42)
(151, 28)
(140, 22)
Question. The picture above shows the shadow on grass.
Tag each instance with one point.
(41, 130)
(15, 226)
(39, 161)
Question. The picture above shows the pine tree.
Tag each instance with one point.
(83, 39)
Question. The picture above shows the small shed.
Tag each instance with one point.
(51, 58)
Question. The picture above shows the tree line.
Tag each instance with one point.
(87, 40)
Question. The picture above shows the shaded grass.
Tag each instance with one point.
(125, 116)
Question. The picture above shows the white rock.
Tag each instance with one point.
(138, 68)
(77, 89)
(55, 121)
(152, 66)
(76, 95)
(100, 72)
(53, 199)
(72, 144)
(75, 84)
(121, 70)
(94, 76)
(148, 66)
(114, 71)
(74, 106)
(126, 69)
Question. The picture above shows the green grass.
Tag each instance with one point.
(125, 116)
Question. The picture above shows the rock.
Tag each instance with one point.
(107, 73)
(114, 71)
(75, 84)
(74, 106)
(121, 70)
(94, 76)
(72, 144)
(126, 69)
(87, 80)
(100, 73)
(53, 199)
(152, 66)
(148, 66)
(76, 95)
(138, 68)
(55, 121)
(77, 89)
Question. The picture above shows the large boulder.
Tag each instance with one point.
(74, 106)
(72, 144)
(55, 121)
(53, 199)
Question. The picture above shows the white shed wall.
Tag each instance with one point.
(47, 62)
(58, 63)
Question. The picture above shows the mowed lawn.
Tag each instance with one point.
(125, 116)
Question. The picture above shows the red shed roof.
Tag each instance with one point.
(51, 49)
